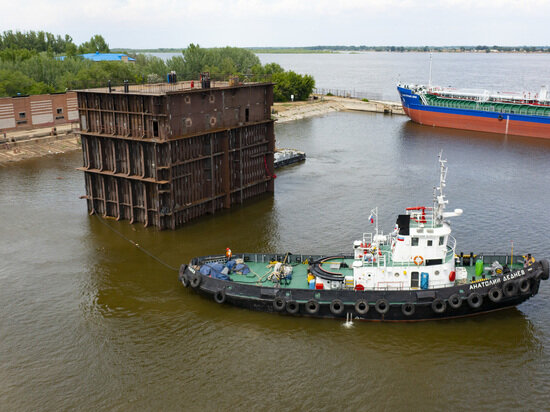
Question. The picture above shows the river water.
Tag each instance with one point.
(90, 322)
(375, 74)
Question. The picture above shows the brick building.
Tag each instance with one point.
(41, 110)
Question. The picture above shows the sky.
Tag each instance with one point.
(285, 23)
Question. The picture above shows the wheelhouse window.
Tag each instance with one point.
(430, 242)
(441, 240)
(414, 241)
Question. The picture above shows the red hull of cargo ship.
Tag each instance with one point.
(482, 124)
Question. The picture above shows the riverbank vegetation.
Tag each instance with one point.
(30, 63)
(352, 49)
(402, 49)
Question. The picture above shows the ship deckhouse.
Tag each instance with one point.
(419, 253)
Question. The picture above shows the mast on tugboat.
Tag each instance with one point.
(439, 196)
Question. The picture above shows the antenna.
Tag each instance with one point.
(439, 197)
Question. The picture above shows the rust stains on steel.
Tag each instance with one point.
(162, 155)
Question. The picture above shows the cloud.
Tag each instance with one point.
(171, 23)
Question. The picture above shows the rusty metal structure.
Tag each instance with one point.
(165, 154)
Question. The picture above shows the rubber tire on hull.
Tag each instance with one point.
(312, 307)
(455, 301)
(382, 306)
(408, 308)
(337, 307)
(510, 289)
(361, 307)
(545, 269)
(183, 276)
(439, 306)
(292, 307)
(219, 296)
(196, 280)
(475, 300)
(525, 285)
(495, 294)
(279, 304)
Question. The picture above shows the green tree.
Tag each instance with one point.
(195, 61)
(290, 83)
(13, 83)
(96, 43)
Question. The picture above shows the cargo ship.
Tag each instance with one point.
(509, 113)
(412, 273)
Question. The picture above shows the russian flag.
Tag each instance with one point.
(400, 238)
(371, 218)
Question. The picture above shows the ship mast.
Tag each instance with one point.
(439, 197)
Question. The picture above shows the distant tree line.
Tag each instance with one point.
(30, 64)
(487, 49)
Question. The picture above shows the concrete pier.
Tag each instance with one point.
(320, 105)
(20, 145)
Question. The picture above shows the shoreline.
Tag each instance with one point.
(290, 111)
(35, 143)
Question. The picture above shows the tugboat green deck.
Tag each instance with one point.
(261, 270)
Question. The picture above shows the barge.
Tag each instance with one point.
(285, 157)
(412, 273)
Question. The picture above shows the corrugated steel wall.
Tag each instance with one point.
(135, 169)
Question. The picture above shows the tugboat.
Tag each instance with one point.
(413, 273)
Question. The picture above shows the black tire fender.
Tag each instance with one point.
(545, 269)
(219, 296)
(183, 276)
(361, 307)
(525, 285)
(337, 307)
(292, 307)
(510, 289)
(312, 306)
(382, 306)
(408, 308)
(279, 304)
(495, 294)
(181, 273)
(455, 301)
(475, 300)
(196, 280)
(438, 305)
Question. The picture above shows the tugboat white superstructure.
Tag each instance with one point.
(419, 252)
(412, 273)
